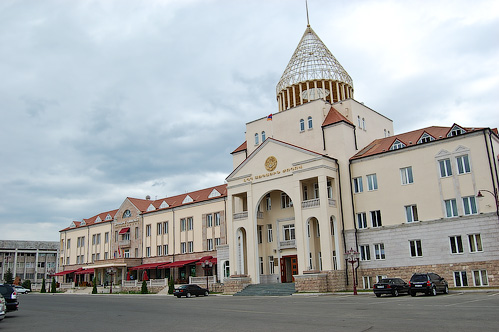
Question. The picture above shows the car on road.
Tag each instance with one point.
(392, 286)
(21, 290)
(3, 307)
(428, 283)
(10, 295)
(190, 290)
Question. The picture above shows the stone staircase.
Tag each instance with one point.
(268, 290)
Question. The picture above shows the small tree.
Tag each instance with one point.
(171, 286)
(53, 288)
(43, 290)
(94, 288)
(9, 278)
(27, 284)
(144, 288)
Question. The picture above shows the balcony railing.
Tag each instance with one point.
(240, 215)
(332, 202)
(310, 203)
(124, 243)
(287, 244)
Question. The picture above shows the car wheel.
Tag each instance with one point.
(433, 291)
(412, 293)
(395, 293)
(188, 295)
(446, 289)
(378, 295)
(206, 293)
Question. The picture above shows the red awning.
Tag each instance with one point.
(88, 271)
(147, 266)
(211, 259)
(124, 230)
(63, 273)
(178, 263)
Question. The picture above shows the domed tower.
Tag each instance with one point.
(312, 73)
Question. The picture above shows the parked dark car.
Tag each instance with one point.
(428, 283)
(10, 295)
(392, 286)
(190, 290)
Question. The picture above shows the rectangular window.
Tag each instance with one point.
(411, 213)
(469, 205)
(183, 247)
(365, 253)
(456, 244)
(98, 239)
(217, 242)
(190, 224)
(329, 190)
(357, 185)
(372, 182)
(416, 248)
(182, 225)
(148, 251)
(165, 227)
(106, 237)
(136, 232)
(379, 251)
(316, 190)
(406, 175)
(463, 164)
(450, 208)
(165, 249)
(217, 219)
(475, 241)
(362, 220)
(68, 243)
(115, 236)
(376, 218)
(289, 232)
(380, 277)
(94, 239)
(136, 252)
(209, 244)
(270, 236)
(159, 227)
(319, 257)
(271, 264)
(126, 253)
(97, 256)
(445, 168)
(285, 201)
(209, 220)
(260, 259)
(158, 250)
(260, 233)
(148, 230)
(268, 203)
(480, 278)
(366, 282)
(106, 255)
(460, 279)
(190, 246)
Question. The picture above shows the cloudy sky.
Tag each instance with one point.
(100, 100)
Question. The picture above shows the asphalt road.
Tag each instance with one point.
(73, 313)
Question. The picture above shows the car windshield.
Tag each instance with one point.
(419, 278)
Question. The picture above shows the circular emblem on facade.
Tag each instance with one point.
(270, 163)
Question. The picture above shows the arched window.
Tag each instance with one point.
(256, 139)
(263, 136)
(302, 125)
(127, 214)
(358, 120)
(310, 122)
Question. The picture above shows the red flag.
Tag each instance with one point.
(269, 117)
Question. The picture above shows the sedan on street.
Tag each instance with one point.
(392, 286)
(190, 290)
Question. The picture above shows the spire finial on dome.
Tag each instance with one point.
(306, 6)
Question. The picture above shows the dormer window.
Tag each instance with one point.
(164, 205)
(397, 145)
(127, 214)
(108, 217)
(214, 193)
(302, 125)
(151, 208)
(83, 223)
(256, 139)
(456, 130)
(310, 124)
(187, 199)
(98, 219)
(426, 138)
(73, 225)
(263, 136)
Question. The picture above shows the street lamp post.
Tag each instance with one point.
(111, 271)
(352, 257)
(496, 198)
(206, 265)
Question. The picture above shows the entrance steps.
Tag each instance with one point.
(285, 289)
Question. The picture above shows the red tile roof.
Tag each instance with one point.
(241, 147)
(333, 116)
(409, 139)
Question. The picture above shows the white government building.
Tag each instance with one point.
(322, 175)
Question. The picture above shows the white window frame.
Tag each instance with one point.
(209, 220)
(445, 168)
(475, 242)
(302, 125)
(413, 248)
(372, 182)
(259, 233)
(456, 244)
(271, 265)
(406, 175)
(469, 205)
(289, 232)
(190, 246)
(463, 164)
(376, 218)
(460, 279)
(411, 213)
(183, 247)
(256, 139)
(310, 123)
(451, 208)
(366, 282)
(209, 244)
(379, 251)
(365, 252)
(362, 220)
(479, 276)
(270, 235)
(357, 185)
(190, 223)
(148, 230)
(217, 219)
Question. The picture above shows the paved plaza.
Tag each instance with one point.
(64, 312)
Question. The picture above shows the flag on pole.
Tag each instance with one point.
(269, 117)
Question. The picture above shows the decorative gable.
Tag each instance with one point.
(425, 138)
(98, 219)
(108, 217)
(164, 205)
(151, 208)
(187, 199)
(83, 223)
(73, 225)
(214, 193)
(397, 145)
(456, 130)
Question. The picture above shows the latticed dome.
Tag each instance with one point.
(312, 73)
